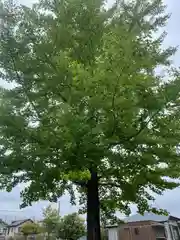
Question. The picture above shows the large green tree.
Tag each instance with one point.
(88, 111)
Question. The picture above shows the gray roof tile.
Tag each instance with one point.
(146, 217)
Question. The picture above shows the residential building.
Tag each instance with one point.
(15, 227)
(171, 226)
(3, 227)
(113, 232)
(40, 222)
(142, 230)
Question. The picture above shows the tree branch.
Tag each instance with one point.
(113, 106)
(144, 126)
(106, 184)
(80, 183)
(53, 66)
(25, 91)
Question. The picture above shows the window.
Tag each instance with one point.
(136, 231)
(159, 231)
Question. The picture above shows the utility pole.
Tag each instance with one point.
(59, 207)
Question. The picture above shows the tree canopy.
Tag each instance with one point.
(51, 220)
(71, 226)
(30, 228)
(88, 111)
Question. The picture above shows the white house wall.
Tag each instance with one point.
(166, 225)
(173, 223)
(113, 234)
(15, 230)
(12, 231)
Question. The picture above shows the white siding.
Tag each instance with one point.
(166, 224)
(113, 234)
(12, 231)
(171, 224)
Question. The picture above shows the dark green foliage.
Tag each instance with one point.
(86, 95)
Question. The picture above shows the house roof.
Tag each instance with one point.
(112, 226)
(19, 222)
(4, 223)
(147, 217)
(144, 223)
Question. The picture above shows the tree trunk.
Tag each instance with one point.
(25, 236)
(93, 208)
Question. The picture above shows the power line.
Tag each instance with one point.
(7, 210)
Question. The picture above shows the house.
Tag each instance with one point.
(15, 227)
(40, 222)
(142, 230)
(171, 225)
(113, 231)
(3, 227)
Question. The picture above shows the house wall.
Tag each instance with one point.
(168, 232)
(2, 228)
(127, 234)
(172, 224)
(159, 231)
(169, 229)
(12, 231)
(137, 233)
(113, 233)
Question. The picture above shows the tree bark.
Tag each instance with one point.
(93, 208)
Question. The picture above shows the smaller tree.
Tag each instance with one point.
(71, 226)
(30, 228)
(51, 221)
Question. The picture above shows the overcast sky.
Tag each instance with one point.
(170, 200)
